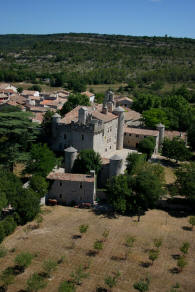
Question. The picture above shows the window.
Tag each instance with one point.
(60, 183)
(129, 134)
(82, 137)
(125, 134)
(60, 196)
(81, 186)
(64, 136)
(137, 136)
(110, 147)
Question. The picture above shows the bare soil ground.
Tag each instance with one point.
(55, 238)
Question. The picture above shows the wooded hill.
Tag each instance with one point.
(99, 59)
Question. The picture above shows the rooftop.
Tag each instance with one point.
(70, 177)
(138, 131)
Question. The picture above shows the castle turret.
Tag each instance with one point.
(119, 111)
(69, 157)
(115, 165)
(110, 106)
(55, 120)
(161, 128)
(83, 113)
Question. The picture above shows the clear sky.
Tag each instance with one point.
(130, 17)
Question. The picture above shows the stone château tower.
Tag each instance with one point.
(119, 111)
(161, 128)
(115, 165)
(70, 156)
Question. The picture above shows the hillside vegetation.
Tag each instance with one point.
(96, 59)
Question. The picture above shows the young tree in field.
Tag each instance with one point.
(105, 234)
(35, 283)
(98, 245)
(78, 275)
(157, 242)
(67, 286)
(192, 221)
(49, 266)
(83, 228)
(185, 247)
(142, 285)
(23, 260)
(153, 255)
(181, 263)
(111, 281)
(87, 160)
(147, 146)
(42, 160)
(6, 278)
(175, 149)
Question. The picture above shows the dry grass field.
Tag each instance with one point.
(55, 238)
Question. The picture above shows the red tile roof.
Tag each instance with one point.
(139, 131)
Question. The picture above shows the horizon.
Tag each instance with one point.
(129, 17)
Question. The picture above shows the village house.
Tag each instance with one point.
(124, 101)
(90, 95)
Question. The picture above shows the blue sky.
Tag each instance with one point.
(130, 17)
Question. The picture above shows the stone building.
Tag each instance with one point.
(70, 188)
(97, 127)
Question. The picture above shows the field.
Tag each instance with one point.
(58, 236)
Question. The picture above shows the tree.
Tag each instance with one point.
(181, 263)
(2, 232)
(157, 242)
(185, 182)
(27, 205)
(23, 260)
(78, 275)
(42, 160)
(39, 185)
(35, 88)
(98, 245)
(192, 221)
(142, 285)
(17, 132)
(49, 266)
(185, 247)
(175, 149)
(155, 116)
(87, 160)
(3, 201)
(35, 282)
(112, 281)
(83, 228)
(46, 126)
(191, 135)
(153, 255)
(147, 146)
(9, 225)
(144, 102)
(67, 286)
(134, 162)
(20, 89)
(73, 101)
(6, 278)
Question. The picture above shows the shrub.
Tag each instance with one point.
(9, 225)
(39, 218)
(112, 281)
(157, 242)
(2, 232)
(23, 260)
(153, 255)
(192, 221)
(7, 278)
(142, 285)
(67, 286)
(83, 228)
(98, 244)
(105, 234)
(49, 266)
(78, 275)
(35, 282)
(3, 252)
(130, 241)
(184, 248)
(181, 263)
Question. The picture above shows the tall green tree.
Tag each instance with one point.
(87, 160)
(147, 146)
(73, 101)
(175, 149)
(42, 160)
(134, 162)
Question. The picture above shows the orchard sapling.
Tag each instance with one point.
(153, 255)
(192, 221)
(181, 263)
(185, 247)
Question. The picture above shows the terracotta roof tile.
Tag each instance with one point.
(172, 134)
